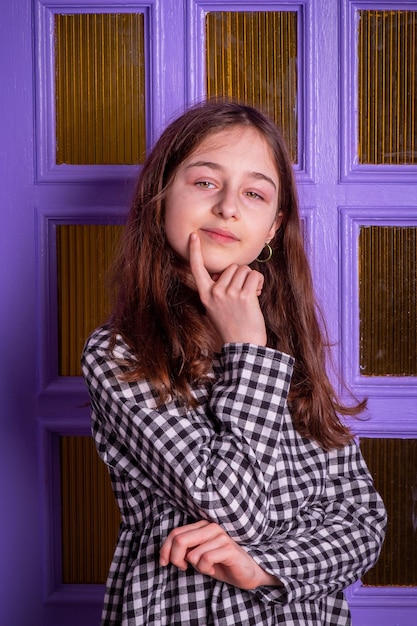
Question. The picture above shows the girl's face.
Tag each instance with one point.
(227, 192)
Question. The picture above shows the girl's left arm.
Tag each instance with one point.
(335, 544)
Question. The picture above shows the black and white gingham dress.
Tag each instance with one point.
(310, 517)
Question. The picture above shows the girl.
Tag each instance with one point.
(244, 499)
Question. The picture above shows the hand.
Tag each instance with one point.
(210, 550)
(231, 301)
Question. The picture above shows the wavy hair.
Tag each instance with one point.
(158, 311)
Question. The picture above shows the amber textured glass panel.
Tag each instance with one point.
(90, 517)
(100, 89)
(387, 87)
(84, 254)
(252, 57)
(393, 465)
(388, 300)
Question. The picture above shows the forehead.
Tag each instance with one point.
(244, 141)
(217, 139)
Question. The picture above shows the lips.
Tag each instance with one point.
(220, 235)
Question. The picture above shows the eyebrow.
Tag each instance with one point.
(215, 166)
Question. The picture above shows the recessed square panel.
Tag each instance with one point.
(84, 256)
(388, 300)
(393, 465)
(252, 57)
(100, 89)
(387, 85)
(90, 517)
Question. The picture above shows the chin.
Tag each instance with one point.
(217, 268)
(215, 273)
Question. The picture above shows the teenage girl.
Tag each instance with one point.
(243, 496)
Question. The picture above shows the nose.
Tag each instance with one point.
(227, 205)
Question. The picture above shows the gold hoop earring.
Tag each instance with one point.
(268, 254)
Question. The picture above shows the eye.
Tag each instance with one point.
(253, 195)
(204, 184)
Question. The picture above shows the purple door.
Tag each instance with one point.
(67, 160)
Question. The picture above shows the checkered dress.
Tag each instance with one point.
(312, 518)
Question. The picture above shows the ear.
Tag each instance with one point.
(275, 226)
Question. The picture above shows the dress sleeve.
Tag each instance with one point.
(340, 541)
(214, 462)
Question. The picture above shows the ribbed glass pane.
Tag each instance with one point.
(100, 89)
(252, 57)
(90, 517)
(393, 465)
(387, 87)
(388, 300)
(84, 253)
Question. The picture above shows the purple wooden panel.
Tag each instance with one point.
(164, 89)
(19, 487)
(47, 221)
(196, 84)
(351, 170)
(377, 195)
(379, 606)
(90, 194)
(351, 220)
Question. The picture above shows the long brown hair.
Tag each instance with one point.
(159, 314)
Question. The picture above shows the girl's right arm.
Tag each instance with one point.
(214, 463)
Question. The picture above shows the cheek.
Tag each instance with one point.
(262, 230)
(176, 235)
